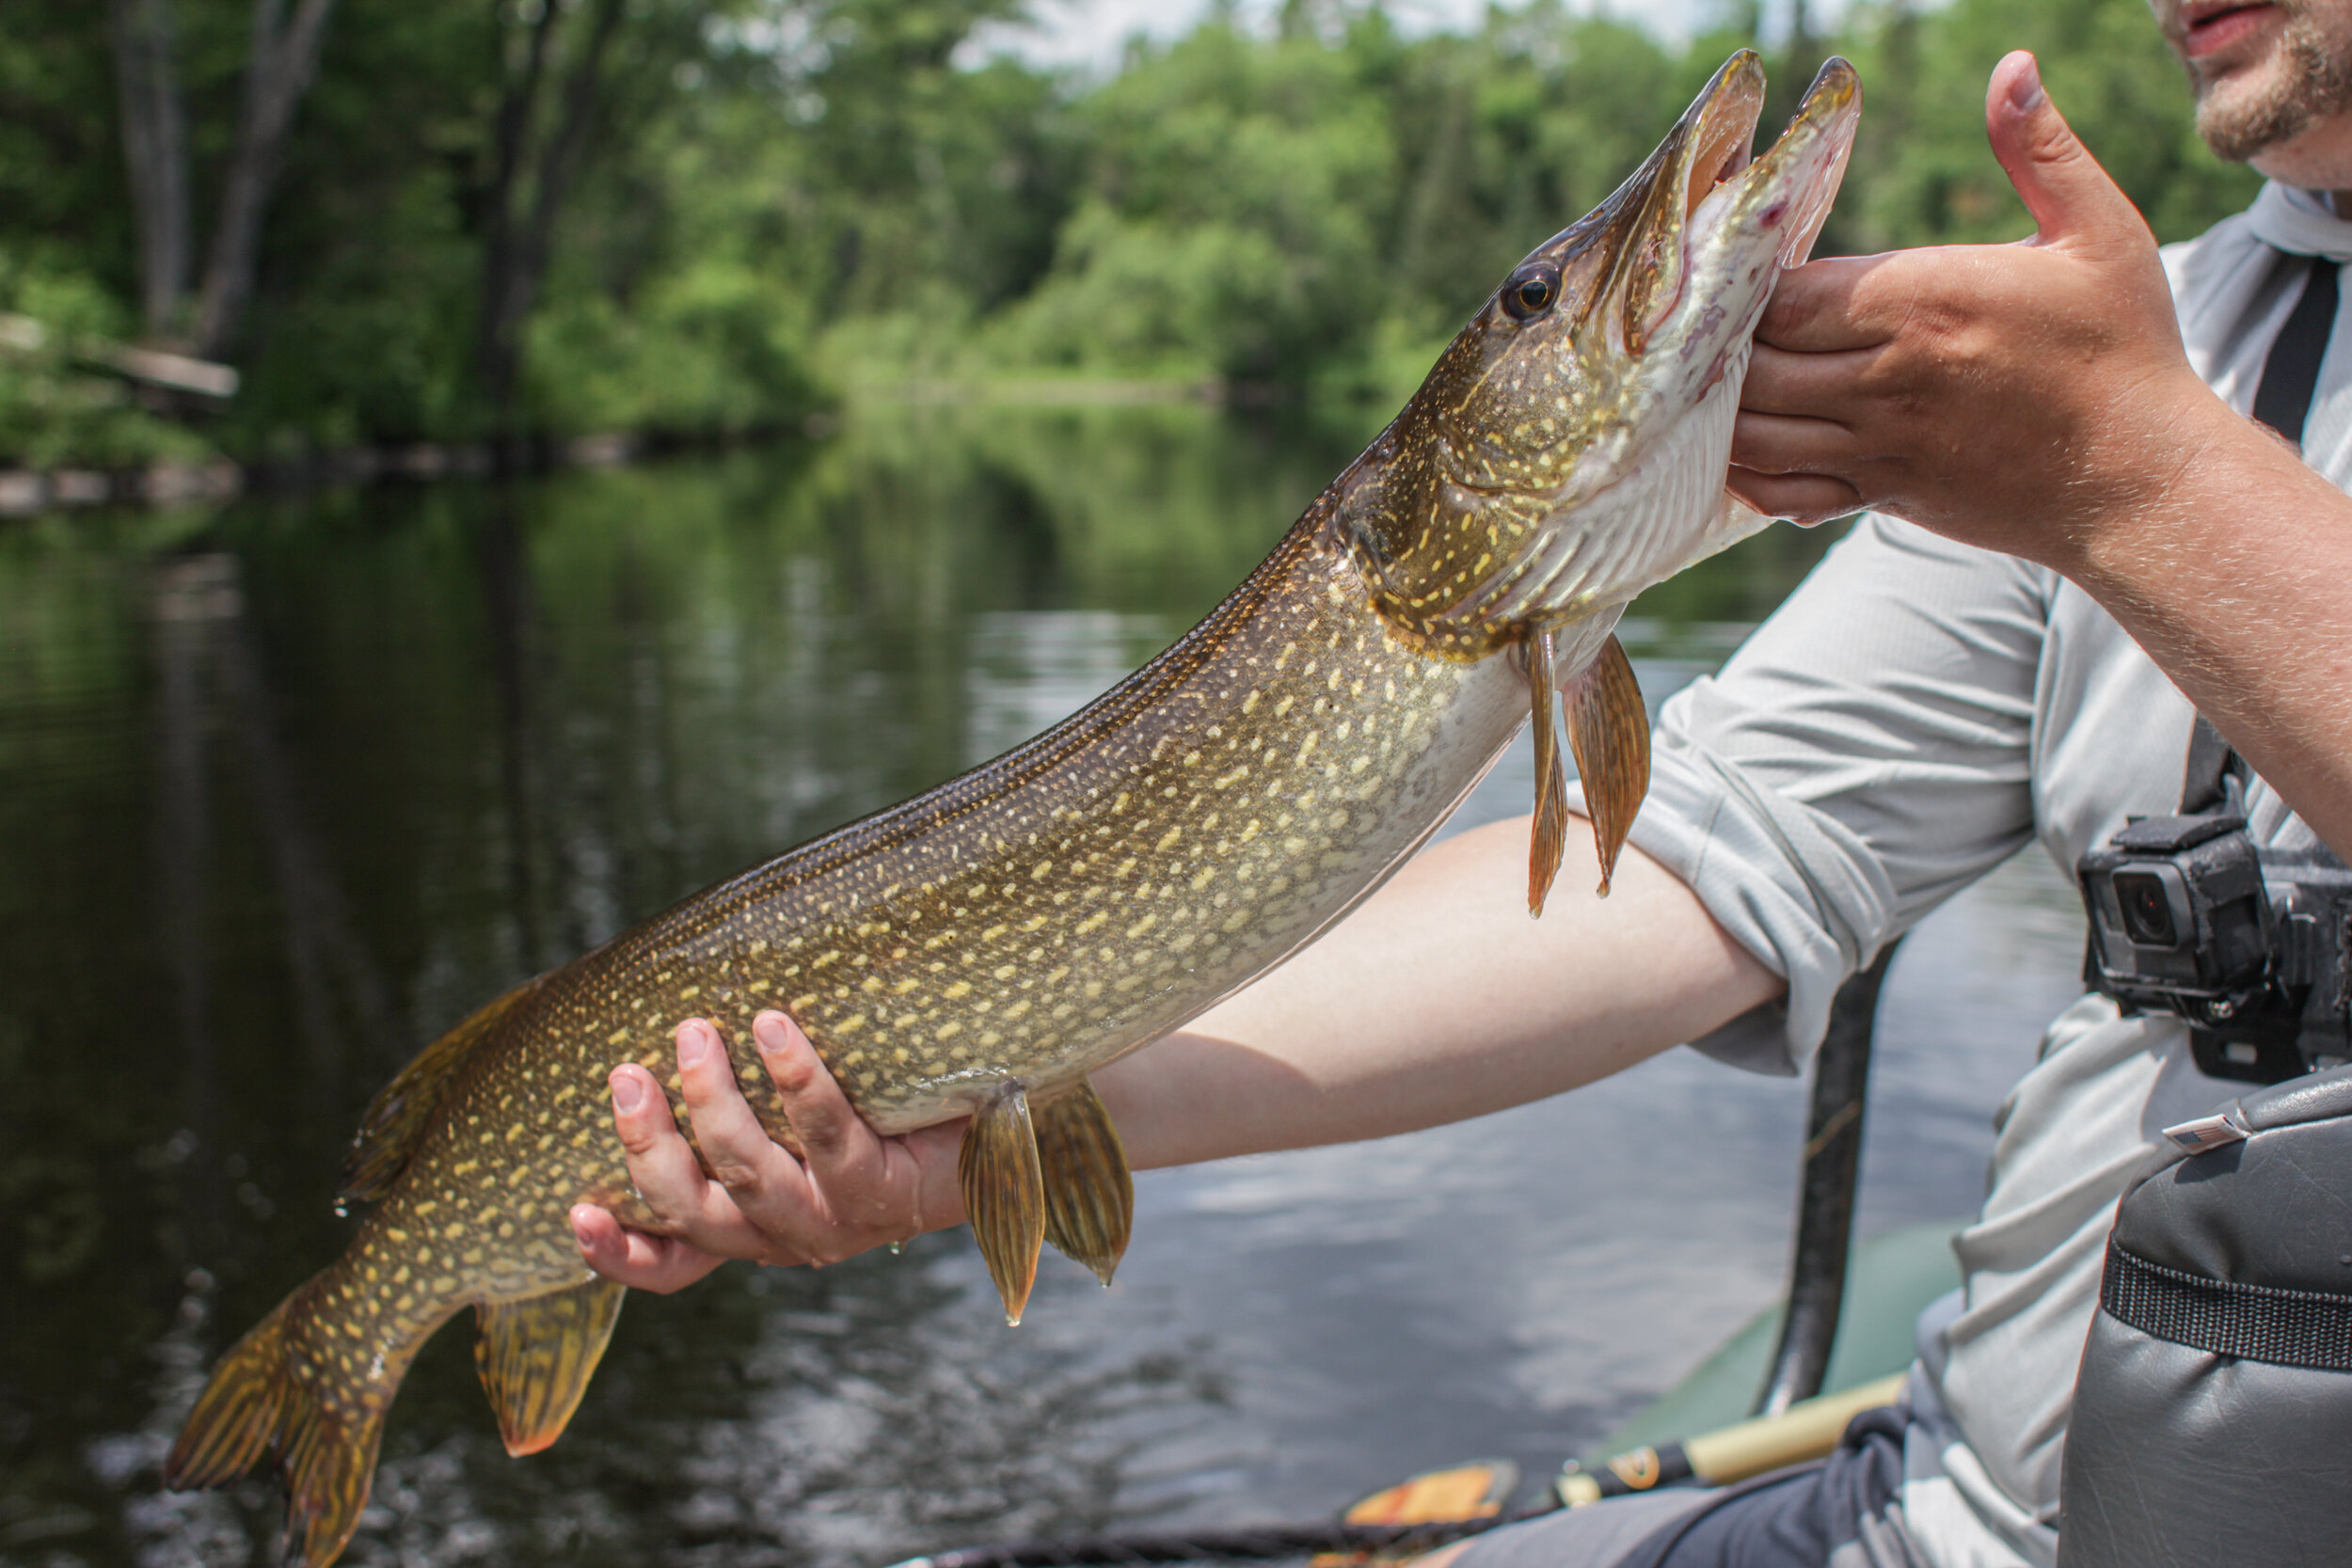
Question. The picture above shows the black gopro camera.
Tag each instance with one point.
(2253, 947)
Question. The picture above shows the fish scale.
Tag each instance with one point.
(978, 951)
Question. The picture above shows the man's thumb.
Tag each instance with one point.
(2063, 186)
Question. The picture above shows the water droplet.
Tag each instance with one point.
(897, 1247)
(343, 1209)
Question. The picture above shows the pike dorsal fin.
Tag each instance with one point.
(1609, 729)
(536, 1356)
(1089, 1196)
(1004, 1194)
(397, 1116)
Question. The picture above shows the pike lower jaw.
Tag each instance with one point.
(984, 948)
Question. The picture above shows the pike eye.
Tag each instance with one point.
(1531, 291)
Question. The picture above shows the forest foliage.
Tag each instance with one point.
(492, 217)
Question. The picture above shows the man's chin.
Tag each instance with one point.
(2258, 109)
(2241, 127)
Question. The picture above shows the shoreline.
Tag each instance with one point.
(33, 492)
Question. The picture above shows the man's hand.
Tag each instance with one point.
(851, 1189)
(2020, 397)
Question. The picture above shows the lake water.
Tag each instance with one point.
(288, 786)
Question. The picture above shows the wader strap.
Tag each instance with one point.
(2209, 758)
(2284, 401)
(2220, 1316)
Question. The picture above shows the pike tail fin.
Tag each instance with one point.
(257, 1408)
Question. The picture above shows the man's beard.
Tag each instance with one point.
(2317, 85)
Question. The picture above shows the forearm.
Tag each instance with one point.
(2237, 577)
(1438, 1000)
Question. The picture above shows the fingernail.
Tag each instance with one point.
(769, 1030)
(579, 1228)
(693, 1048)
(627, 1093)
(2025, 88)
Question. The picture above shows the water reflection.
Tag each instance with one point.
(287, 788)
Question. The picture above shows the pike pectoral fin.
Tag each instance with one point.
(1089, 1196)
(1609, 729)
(536, 1356)
(1004, 1195)
(1551, 837)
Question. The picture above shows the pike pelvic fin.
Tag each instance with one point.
(256, 1408)
(537, 1355)
(397, 1116)
(1549, 840)
(1089, 1194)
(1609, 729)
(1004, 1194)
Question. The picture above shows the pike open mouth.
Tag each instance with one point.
(1726, 134)
(1722, 139)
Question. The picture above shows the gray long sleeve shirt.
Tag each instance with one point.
(1915, 713)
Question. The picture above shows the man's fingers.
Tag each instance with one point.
(1806, 498)
(634, 1259)
(829, 1132)
(1809, 385)
(736, 1148)
(660, 1161)
(1782, 444)
(1828, 307)
(2069, 196)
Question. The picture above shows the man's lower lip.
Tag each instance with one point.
(2217, 32)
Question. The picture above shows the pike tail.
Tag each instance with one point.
(260, 1406)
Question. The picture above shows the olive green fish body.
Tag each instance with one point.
(981, 949)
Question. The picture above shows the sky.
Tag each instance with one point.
(1090, 33)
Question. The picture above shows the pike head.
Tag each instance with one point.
(1569, 449)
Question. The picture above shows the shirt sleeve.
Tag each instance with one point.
(1864, 756)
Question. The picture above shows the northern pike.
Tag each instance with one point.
(980, 950)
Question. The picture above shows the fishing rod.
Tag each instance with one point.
(1792, 1421)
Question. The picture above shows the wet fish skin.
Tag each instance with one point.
(982, 948)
